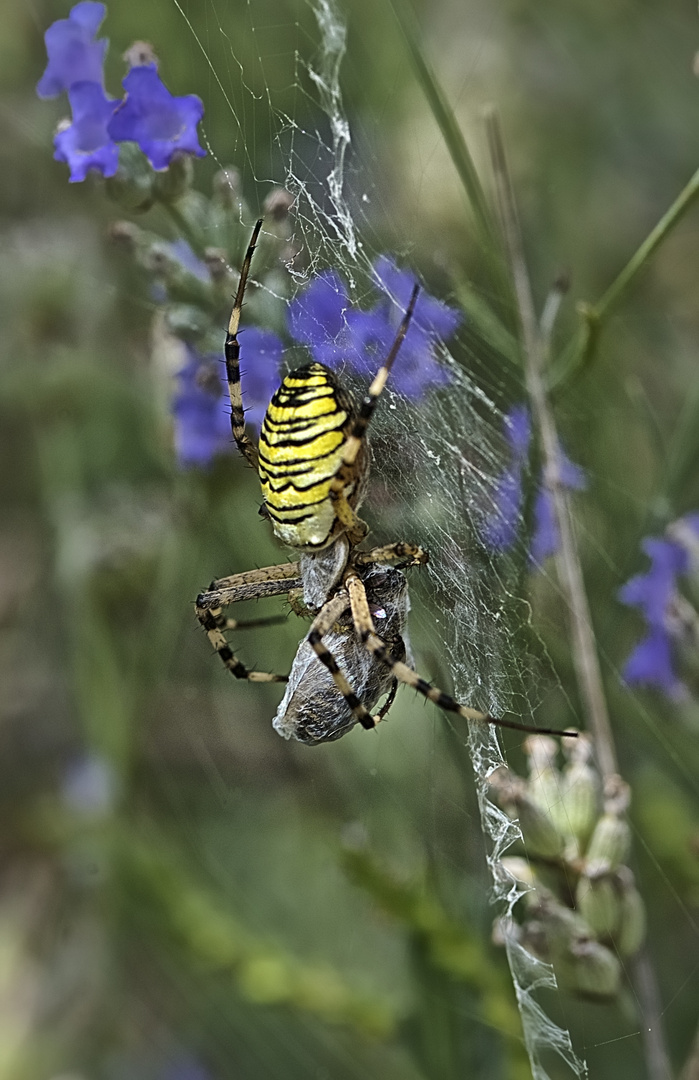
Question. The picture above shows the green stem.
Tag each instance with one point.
(452, 135)
(585, 656)
(582, 350)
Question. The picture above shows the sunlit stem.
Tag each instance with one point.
(453, 137)
(593, 316)
(586, 660)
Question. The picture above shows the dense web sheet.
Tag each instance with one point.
(453, 441)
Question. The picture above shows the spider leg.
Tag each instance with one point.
(345, 474)
(326, 618)
(251, 624)
(364, 624)
(381, 714)
(415, 555)
(253, 585)
(232, 354)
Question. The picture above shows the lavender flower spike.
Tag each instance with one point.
(201, 408)
(651, 662)
(323, 318)
(417, 368)
(74, 55)
(500, 530)
(159, 122)
(202, 420)
(546, 539)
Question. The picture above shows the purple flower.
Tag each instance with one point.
(323, 318)
(502, 524)
(201, 407)
(201, 411)
(546, 539)
(655, 592)
(318, 316)
(260, 358)
(182, 252)
(651, 664)
(159, 122)
(85, 144)
(432, 318)
(74, 55)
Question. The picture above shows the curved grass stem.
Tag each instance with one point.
(581, 351)
(486, 229)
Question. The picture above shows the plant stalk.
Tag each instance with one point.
(593, 315)
(586, 660)
(585, 654)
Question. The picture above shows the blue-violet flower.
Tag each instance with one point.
(85, 144)
(546, 539)
(656, 593)
(502, 523)
(74, 55)
(323, 318)
(201, 407)
(160, 123)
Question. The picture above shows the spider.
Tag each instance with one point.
(313, 461)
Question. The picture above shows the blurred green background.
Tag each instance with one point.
(178, 894)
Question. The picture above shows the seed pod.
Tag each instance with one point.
(598, 901)
(609, 846)
(581, 797)
(541, 837)
(632, 915)
(563, 927)
(544, 783)
(589, 970)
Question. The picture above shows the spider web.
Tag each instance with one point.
(452, 441)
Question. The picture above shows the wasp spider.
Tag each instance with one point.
(313, 461)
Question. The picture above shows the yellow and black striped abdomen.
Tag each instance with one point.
(301, 443)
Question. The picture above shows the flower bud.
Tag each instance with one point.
(580, 805)
(278, 204)
(561, 924)
(227, 187)
(170, 185)
(541, 836)
(632, 915)
(609, 846)
(217, 263)
(186, 321)
(598, 902)
(589, 969)
(132, 185)
(126, 234)
(544, 784)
